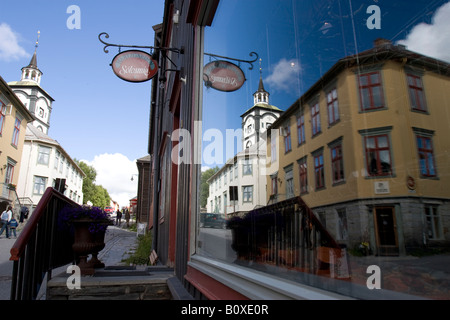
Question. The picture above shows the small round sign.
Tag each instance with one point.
(134, 66)
(223, 76)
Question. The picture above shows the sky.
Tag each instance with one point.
(96, 117)
(103, 120)
(299, 41)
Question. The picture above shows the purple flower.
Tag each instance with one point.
(100, 219)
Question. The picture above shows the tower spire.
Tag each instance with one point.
(31, 72)
(261, 96)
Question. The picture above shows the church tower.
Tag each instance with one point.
(29, 91)
(257, 119)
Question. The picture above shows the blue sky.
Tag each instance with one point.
(299, 41)
(96, 116)
(103, 120)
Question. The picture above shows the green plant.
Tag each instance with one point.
(142, 253)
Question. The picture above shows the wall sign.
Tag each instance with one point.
(134, 66)
(223, 76)
(382, 187)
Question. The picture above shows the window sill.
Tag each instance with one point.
(257, 285)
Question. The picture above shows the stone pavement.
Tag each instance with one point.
(119, 244)
(425, 277)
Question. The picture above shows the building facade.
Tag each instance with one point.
(47, 164)
(14, 117)
(243, 171)
(366, 149)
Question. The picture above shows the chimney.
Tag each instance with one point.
(380, 42)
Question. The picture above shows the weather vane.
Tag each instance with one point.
(37, 41)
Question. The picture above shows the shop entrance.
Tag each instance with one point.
(386, 231)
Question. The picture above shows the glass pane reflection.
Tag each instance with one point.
(329, 167)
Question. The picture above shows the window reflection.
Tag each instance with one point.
(352, 170)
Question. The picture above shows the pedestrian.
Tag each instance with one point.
(6, 218)
(127, 217)
(13, 224)
(118, 217)
(23, 214)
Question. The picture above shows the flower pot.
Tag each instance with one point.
(99, 241)
(84, 244)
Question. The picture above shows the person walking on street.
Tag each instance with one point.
(13, 224)
(118, 217)
(6, 218)
(127, 217)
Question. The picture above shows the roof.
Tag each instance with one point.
(24, 84)
(383, 50)
(9, 93)
(262, 106)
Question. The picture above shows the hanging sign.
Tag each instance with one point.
(134, 66)
(223, 76)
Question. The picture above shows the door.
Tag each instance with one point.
(386, 231)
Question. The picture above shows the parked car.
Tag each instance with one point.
(109, 210)
(213, 220)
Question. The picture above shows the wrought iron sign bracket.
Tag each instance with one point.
(250, 62)
(120, 46)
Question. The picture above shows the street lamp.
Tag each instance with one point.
(132, 179)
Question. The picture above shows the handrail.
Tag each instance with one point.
(40, 246)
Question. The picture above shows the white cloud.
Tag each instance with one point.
(114, 172)
(432, 39)
(284, 76)
(9, 44)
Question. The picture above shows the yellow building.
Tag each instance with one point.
(367, 147)
(14, 117)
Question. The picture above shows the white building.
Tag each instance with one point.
(43, 159)
(243, 175)
(43, 162)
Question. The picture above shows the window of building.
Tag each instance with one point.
(342, 228)
(378, 155)
(274, 184)
(9, 174)
(247, 169)
(315, 119)
(371, 91)
(337, 162)
(319, 170)
(426, 156)
(301, 129)
(16, 132)
(247, 194)
(289, 177)
(40, 184)
(303, 173)
(57, 156)
(44, 155)
(433, 222)
(287, 139)
(416, 93)
(333, 106)
(2, 116)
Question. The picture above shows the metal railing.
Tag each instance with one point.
(40, 247)
(287, 234)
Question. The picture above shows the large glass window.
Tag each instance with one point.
(370, 188)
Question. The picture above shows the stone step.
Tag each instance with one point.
(115, 283)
